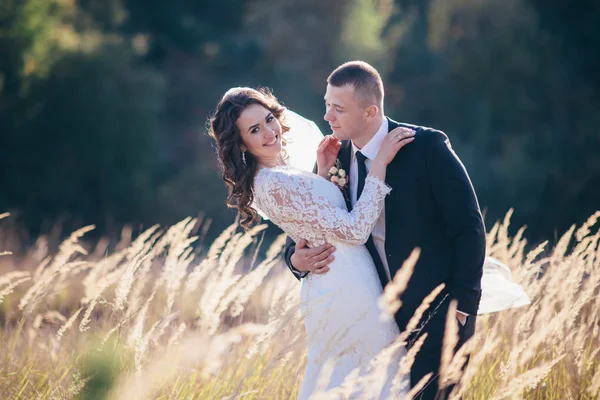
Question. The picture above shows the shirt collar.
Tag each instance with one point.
(372, 147)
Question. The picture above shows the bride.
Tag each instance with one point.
(340, 308)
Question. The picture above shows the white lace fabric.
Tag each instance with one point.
(340, 308)
(312, 208)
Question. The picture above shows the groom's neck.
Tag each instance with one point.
(370, 131)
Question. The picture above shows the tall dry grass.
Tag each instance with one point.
(160, 317)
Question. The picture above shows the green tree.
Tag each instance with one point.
(80, 122)
(498, 81)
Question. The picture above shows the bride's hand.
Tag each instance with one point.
(393, 142)
(327, 153)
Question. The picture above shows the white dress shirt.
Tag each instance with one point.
(370, 151)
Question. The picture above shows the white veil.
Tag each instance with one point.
(302, 140)
(499, 291)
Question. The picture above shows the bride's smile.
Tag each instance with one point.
(261, 133)
(272, 142)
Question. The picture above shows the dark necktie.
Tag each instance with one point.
(362, 176)
(362, 173)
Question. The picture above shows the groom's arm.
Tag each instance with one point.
(455, 196)
(290, 249)
(302, 260)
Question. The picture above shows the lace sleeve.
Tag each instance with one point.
(292, 200)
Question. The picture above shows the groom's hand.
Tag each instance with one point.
(315, 261)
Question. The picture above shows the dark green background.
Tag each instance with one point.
(103, 103)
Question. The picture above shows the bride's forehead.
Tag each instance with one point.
(253, 114)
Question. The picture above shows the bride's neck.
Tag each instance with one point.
(272, 163)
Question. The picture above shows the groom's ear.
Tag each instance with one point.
(372, 111)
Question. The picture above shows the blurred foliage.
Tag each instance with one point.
(103, 103)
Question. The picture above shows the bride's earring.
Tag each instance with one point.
(244, 158)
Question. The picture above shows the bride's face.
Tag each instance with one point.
(261, 133)
(346, 117)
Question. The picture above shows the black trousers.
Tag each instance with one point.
(429, 358)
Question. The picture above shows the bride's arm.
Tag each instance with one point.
(293, 200)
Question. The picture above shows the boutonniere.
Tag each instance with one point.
(338, 176)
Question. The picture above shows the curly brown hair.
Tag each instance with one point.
(239, 177)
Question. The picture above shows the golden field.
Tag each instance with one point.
(160, 316)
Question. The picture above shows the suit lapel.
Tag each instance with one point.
(391, 177)
(344, 157)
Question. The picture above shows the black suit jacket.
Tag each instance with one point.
(432, 206)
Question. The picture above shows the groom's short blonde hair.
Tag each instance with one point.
(364, 78)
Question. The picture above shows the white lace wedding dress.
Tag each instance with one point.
(340, 310)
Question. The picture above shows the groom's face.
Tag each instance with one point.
(346, 116)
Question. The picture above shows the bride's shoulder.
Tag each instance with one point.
(278, 175)
(279, 172)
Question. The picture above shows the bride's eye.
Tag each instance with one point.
(270, 118)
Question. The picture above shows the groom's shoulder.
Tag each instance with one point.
(423, 134)
(430, 135)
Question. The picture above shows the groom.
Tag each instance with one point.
(432, 206)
